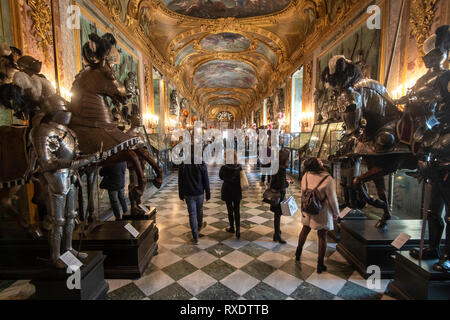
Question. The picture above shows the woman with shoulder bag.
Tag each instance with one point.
(317, 179)
(232, 194)
(280, 183)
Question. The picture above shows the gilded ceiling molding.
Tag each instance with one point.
(41, 14)
(227, 25)
(421, 19)
(319, 18)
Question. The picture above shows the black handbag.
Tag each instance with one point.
(272, 197)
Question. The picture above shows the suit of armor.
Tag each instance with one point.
(368, 99)
(56, 148)
(427, 99)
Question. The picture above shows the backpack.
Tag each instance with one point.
(311, 203)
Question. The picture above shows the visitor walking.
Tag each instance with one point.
(193, 186)
(232, 194)
(265, 168)
(114, 181)
(317, 177)
(280, 183)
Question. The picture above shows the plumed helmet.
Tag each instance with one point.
(99, 49)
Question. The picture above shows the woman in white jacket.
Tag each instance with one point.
(323, 222)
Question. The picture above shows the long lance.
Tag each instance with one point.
(394, 47)
(426, 211)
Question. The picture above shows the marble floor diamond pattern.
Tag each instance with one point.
(221, 267)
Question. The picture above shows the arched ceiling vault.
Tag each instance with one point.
(227, 55)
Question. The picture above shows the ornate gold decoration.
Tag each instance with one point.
(307, 77)
(161, 34)
(41, 14)
(421, 19)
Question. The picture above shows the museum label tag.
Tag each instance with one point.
(70, 260)
(143, 208)
(401, 240)
(344, 212)
(132, 230)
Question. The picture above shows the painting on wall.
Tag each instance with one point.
(362, 46)
(128, 61)
(225, 74)
(212, 9)
(224, 102)
(225, 42)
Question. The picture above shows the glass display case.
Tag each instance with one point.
(331, 140)
(317, 138)
(295, 142)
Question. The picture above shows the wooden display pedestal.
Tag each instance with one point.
(51, 283)
(126, 256)
(363, 245)
(150, 214)
(416, 280)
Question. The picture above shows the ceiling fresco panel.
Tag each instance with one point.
(224, 102)
(225, 42)
(225, 74)
(212, 9)
(266, 51)
(184, 53)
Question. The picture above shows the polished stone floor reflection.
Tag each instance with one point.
(221, 267)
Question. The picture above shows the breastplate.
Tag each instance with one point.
(63, 144)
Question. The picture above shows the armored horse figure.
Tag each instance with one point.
(370, 118)
(92, 119)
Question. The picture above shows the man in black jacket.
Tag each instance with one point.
(193, 184)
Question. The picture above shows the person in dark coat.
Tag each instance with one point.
(280, 183)
(193, 185)
(265, 167)
(232, 194)
(114, 181)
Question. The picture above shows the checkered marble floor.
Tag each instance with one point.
(254, 267)
(221, 267)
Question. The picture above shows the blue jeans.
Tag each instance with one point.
(117, 197)
(195, 209)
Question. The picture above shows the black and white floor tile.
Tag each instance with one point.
(222, 267)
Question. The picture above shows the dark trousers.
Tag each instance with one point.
(117, 197)
(234, 213)
(195, 209)
(263, 177)
(277, 216)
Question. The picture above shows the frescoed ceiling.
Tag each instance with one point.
(228, 55)
(213, 9)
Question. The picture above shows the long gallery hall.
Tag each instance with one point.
(224, 150)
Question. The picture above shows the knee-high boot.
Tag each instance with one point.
(277, 228)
